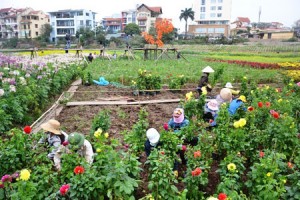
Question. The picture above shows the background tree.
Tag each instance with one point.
(186, 14)
(46, 30)
(132, 29)
(161, 27)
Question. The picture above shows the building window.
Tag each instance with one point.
(81, 22)
(219, 14)
(220, 1)
(213, 8)
(202, 9)
(220, 30)
(202, 16)
(200, 30)
(36, 33)
(36, 25)
(28, 26)
(87, 14)
(42, 18)
(212, 1)
(219, 7)
(212, 14)
(210, 30)
(24, 26)
(80, 13)
(202, 2)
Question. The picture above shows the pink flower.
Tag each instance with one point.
(6, 178)
(298, 84)
(64, 189)
(65, 143)
(261, 154)
(166, 126)
(183, 148)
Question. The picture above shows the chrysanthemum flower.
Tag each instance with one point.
(78, 170)
(27, 129)
(24, 174)
(222, 196)
(106, 135)
(64, 189)
(269, 174)
(231, 167)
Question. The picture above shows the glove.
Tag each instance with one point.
(175, 173)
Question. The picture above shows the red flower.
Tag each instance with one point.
(222, 196)
(196, 172)
(197, 154)
(27, 129)
(64, 189)
(250, 108)
(162, 153)
(260, 104)
(275, 115)
(65, 143)
(183, 148)
(79, 170)
(261, 154)
(166, 126)
(211, 121)
(1, 185)
(268, 104)
(290, 165)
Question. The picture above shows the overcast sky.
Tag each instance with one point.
(284, 11)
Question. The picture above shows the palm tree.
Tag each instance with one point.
(186, 14)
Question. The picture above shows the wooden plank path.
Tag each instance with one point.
(99, 103)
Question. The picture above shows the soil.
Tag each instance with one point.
(123, 117)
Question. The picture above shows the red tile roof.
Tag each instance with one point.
(243, 19)
(156, 9)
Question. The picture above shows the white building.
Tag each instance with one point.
(69, 21)
(128, 16)
(212, 17)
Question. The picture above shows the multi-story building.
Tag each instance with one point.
(128, 16)
(69, 21)
(31, 22)
(146, 16)
(21, 23)
(112, 24)
(212, 18)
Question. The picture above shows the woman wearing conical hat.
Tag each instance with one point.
(204, 86)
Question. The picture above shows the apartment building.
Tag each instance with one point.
(146, 16)
(21, 23)
(31, 22)
(69, 21)
(128, 16)
(212, 18)
(112, 24)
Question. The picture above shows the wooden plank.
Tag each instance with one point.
(95, 103)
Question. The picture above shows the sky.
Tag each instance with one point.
(284, 11)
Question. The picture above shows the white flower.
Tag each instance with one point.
(16, 72)
(1, 92)
(212, 198)
(12, 88)
(22, 81)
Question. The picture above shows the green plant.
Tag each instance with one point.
(101, 120)
(177, 82)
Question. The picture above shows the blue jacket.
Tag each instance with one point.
(177, 126)
(235, 105)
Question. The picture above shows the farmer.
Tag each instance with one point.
(152, 141)
(229, 86)
(211, 110)
(80, 145)
(178, 120)
(225, 96)
(90, 57)
(237, 104)
(54, 136)
(204, 86)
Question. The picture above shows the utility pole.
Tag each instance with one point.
(259, 13)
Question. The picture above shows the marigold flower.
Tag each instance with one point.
(231, 167)
(250, 108)
(261, 154)
(188, 96)
(27, 129)
(242, 122)
(279, 100)
(196, 172)
(222, 196)
(24, 174)
(98, 150)
(6, 178)
(197, 154)
(106, 135)
(78, 170)
(98, 133)
(269, 174)
(236, 124)
(260, 104)
(64, 189)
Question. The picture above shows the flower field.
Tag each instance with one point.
(253, 154)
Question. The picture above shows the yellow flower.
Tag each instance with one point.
(269, 174)
(245, 77)
(98, 150)
(279, 100)
(98, 133)
(24, 174)
(242, 122)
(189, 95)
(236, 124)
(106, 135)
(267, 87)
(231, 167)
(284, 181)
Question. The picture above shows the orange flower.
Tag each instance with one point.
(196, 172)
(197, 154)
(261, 154)
(268, 104)
(79, 170)
(290, 165)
